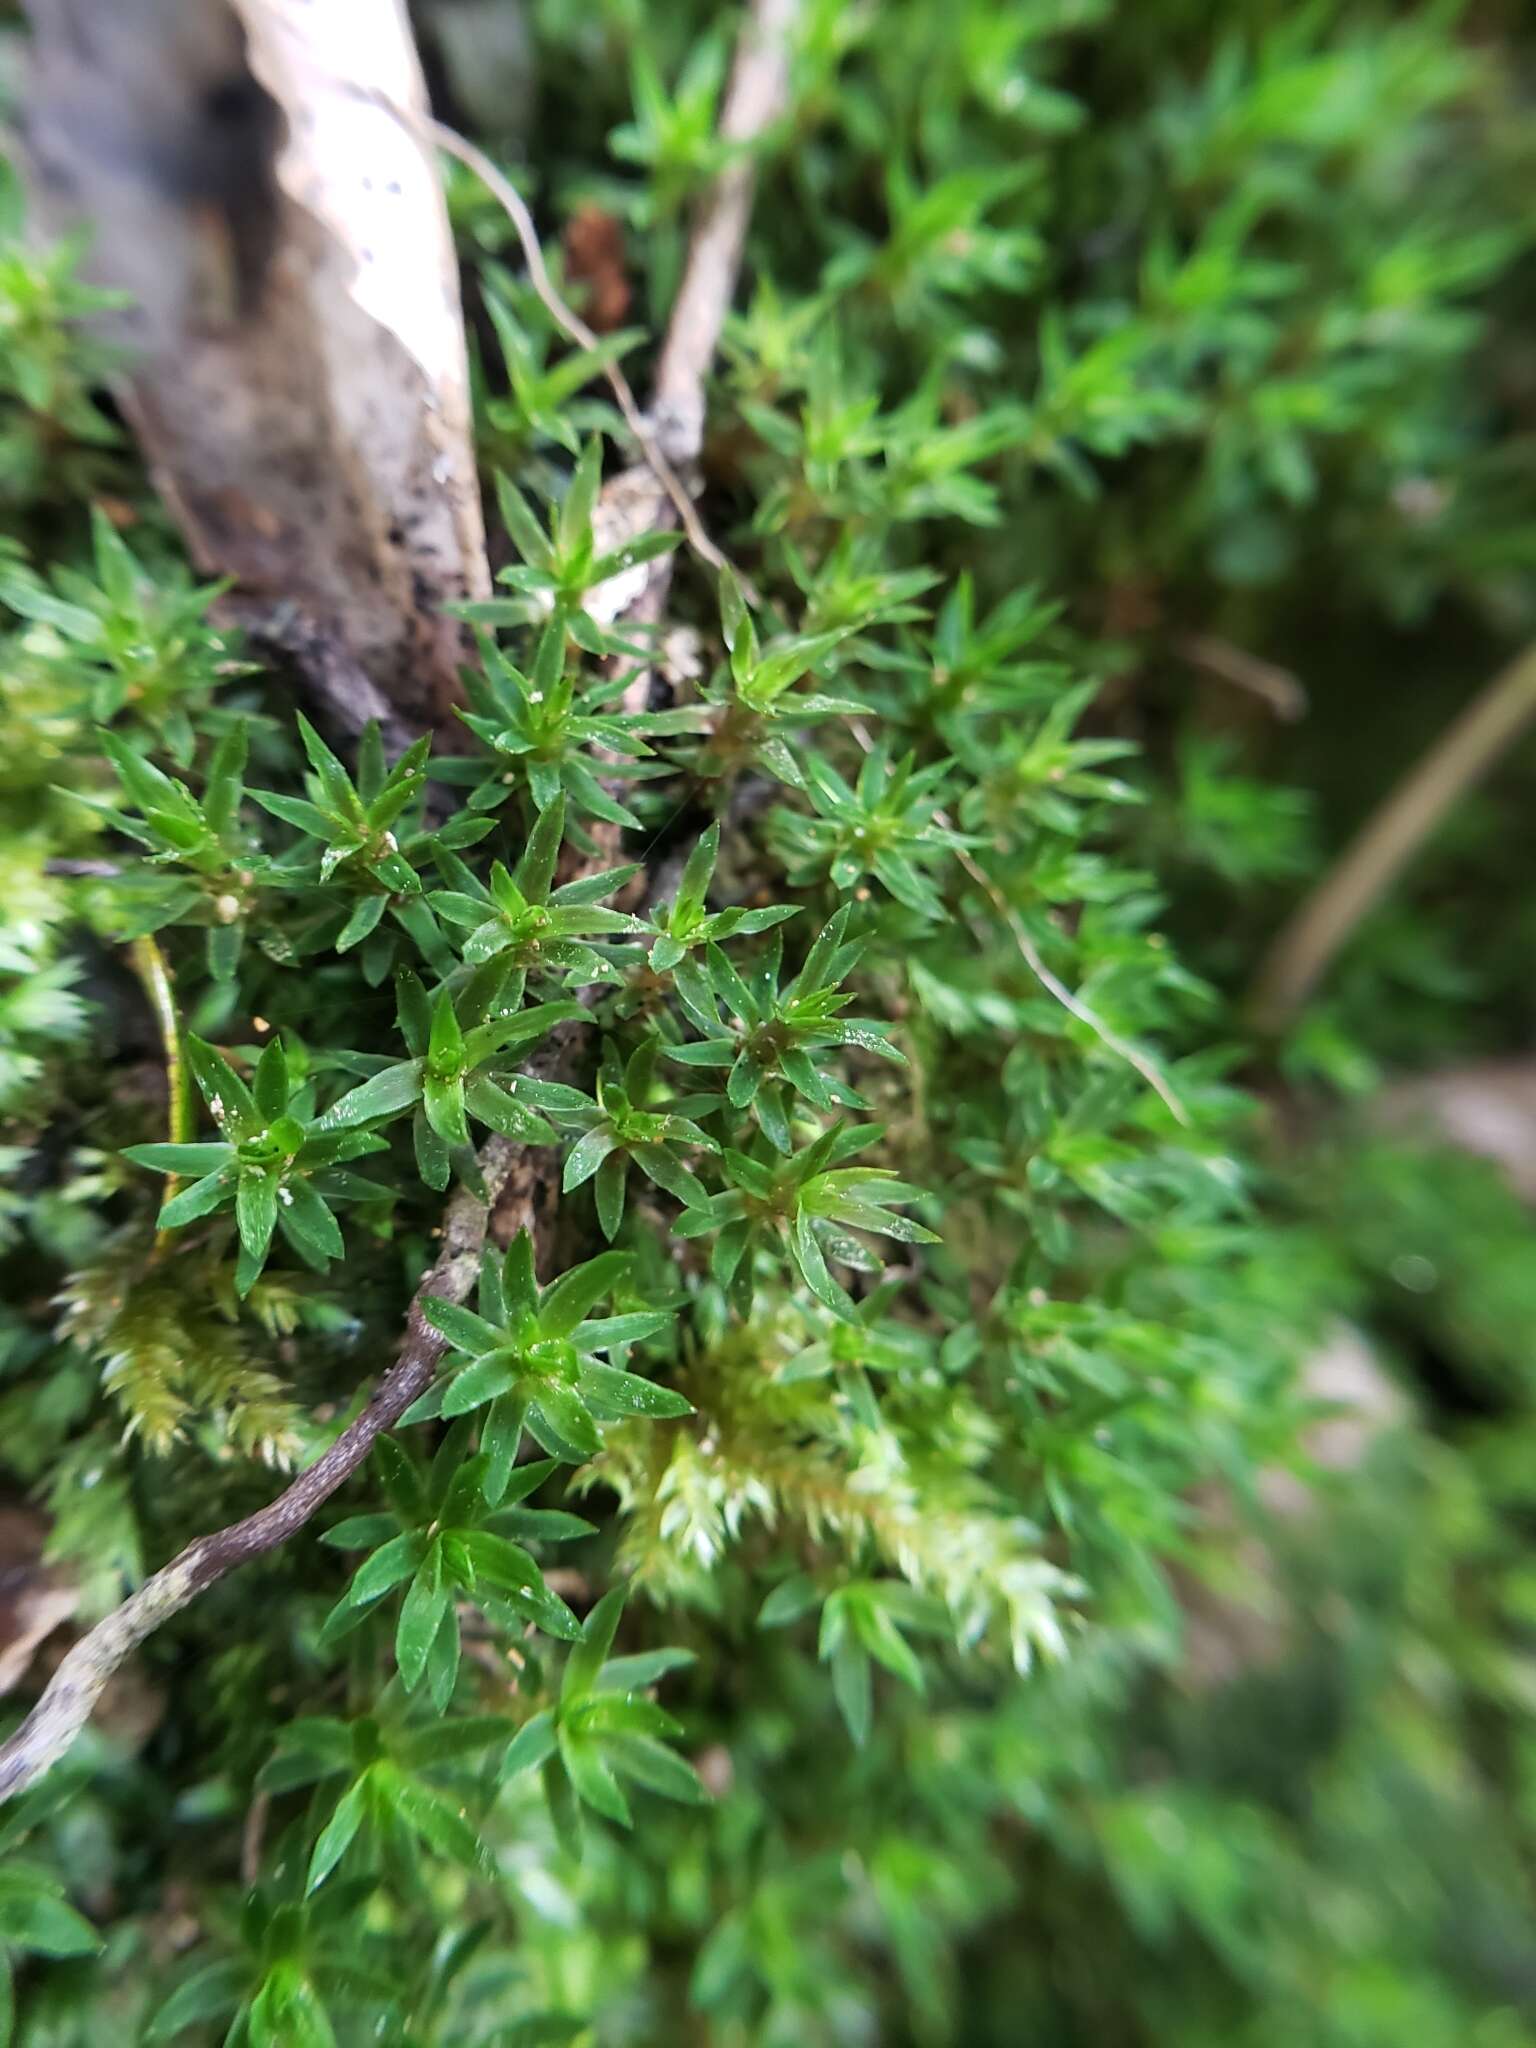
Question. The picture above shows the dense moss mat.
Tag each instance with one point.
(887, 1585)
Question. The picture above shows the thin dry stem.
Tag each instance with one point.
(1307, 945)
(576, 328)
(1053, 985)
(755, 98)
(1074, 1005)
(1275, 686)
(154, 972)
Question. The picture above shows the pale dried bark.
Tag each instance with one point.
(294, 359)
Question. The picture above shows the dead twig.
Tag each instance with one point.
(1057, 989)
(154, 972)
(1464, 752)
(72, 1692)
(253, 1837)
(571, 323)
(637, 502)
(1266, 680)
(755, 98)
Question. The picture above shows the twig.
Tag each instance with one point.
(755, 98)
(1276, 686)
(72, 1692)
(576, 328)
(1308, 943)
(253, 1836)
(570, 322)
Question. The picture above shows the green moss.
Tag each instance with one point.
(787, 1624)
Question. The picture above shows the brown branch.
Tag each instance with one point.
(253, 1837)
(517, 1186)
(1309, 941)
(72, 1692)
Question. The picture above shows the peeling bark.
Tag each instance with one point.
(294, 358)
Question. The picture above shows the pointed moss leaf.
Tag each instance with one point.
(443, 1101)
(209, 1994)
(498, 1110)
(256, 1209)
(305, 1216)
(483, 1381)
(464, 1330)
(421, 1612)
(788, 1602)
(643, 1668)
(386, 1568)
(586, 1156)
(601, 1333)
(611, 1392)
(363, 919)
(269, 1083)
(33, 1915)
(851, 1688)
(608, 1191)
(533, 1745)
(586, 1660)
(360, 1532)
(517, 1273)
(201, 1199)
(199, 1159)
(443, 1826)
(230, 1101)
(401, 1477)
(442, 1670)
(434, 1158)
(562, 1306)
(593, 1781)
(814, 1271)
(337, 1834)
(559, 1420)
(501, 1564)
(651, 1764)
(384, 1095)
